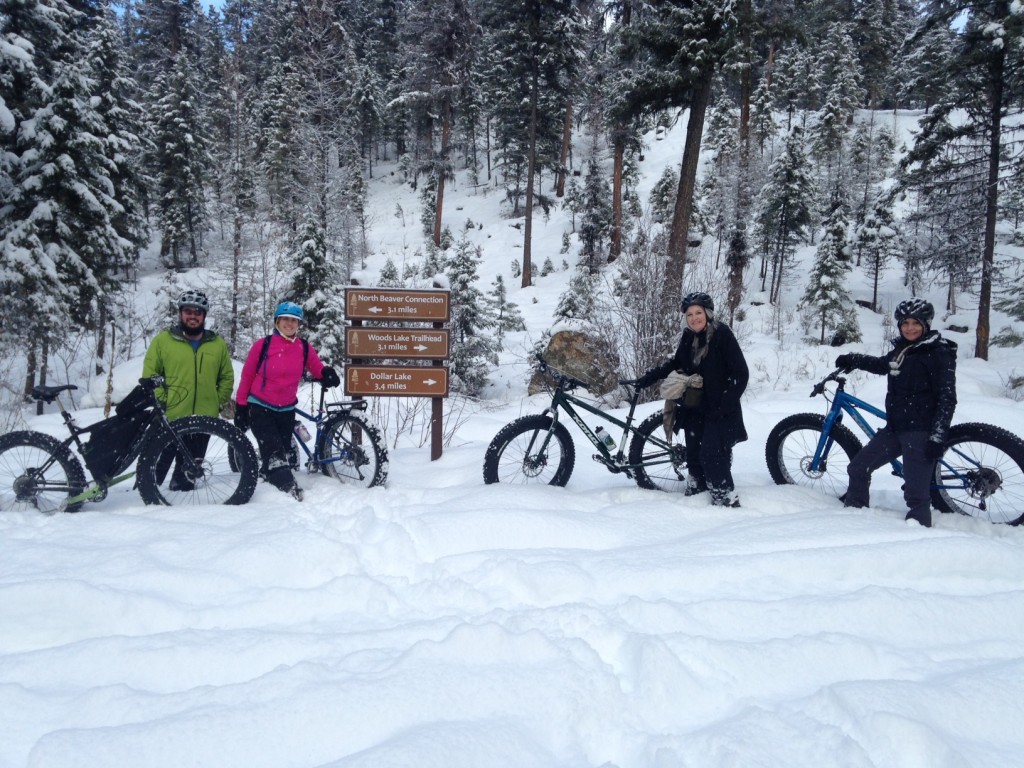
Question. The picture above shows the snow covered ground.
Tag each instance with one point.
(441, 623)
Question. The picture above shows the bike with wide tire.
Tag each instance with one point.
(40, 473)
(346, 446)
(539, 448)
(980, 474)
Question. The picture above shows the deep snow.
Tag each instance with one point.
(441, 622)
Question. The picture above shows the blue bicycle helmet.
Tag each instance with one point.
(289, 309)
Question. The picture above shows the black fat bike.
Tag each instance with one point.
(539, 448)
(980, 474)
(40, 473)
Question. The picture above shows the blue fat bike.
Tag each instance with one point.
(980, 474)
(339, 443)
(539, 448)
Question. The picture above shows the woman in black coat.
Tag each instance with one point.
(919, 406)
(713, 425)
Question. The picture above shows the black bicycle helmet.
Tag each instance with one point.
(196, 299)
(918, 309)
(699, 298)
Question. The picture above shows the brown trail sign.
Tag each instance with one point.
(396, 380)
(399, 343)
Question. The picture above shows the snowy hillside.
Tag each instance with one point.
(440, 622)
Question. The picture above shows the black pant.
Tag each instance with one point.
(885, 446)
(273, 431)
(708, 455)
(196, 444)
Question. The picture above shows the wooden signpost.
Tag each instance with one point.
(426, 347)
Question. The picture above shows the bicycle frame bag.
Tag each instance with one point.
(113, 444)
(136, 401)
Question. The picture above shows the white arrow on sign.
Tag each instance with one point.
(420, 348)
(429, 382)
(375, 309)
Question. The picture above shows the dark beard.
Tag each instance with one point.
(193, 334)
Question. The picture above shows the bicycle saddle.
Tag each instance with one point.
(49, 394)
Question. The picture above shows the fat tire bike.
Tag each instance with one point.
(346, 445)
(980, 474)
(40, 473)
(539, 449)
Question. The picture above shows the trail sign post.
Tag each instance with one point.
(396, 381)
(397, 343)
(393, 304)
(426, 347)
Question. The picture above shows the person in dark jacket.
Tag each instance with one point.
(919, 406)
(713, 423)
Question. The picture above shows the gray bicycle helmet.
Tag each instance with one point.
(195, 299)
(918, 309)
(699, 298)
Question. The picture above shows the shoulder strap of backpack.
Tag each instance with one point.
(263, 353)
(266, 346)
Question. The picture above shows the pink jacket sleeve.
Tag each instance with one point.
(248, 371)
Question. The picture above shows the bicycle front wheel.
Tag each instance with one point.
(351, 450)
(790, 449)
(654, 466)
(981, 474)
(531, 449)
(220, 466)
(38, 474)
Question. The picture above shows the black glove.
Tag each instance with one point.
(846, 362)
(242, 417)
(329, 377)
(933, 450)
(647, 379)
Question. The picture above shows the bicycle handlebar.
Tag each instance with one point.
(152, 382)
(835, 376)
(565, 381)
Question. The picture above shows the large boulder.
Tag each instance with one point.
(579, 355)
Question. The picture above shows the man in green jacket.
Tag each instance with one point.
(197, 365)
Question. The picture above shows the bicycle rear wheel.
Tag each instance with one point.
(38, 474)
(654, 466)
(981, 474)
(208, 477)
(530, 450)
(790, 449)
(352, 451)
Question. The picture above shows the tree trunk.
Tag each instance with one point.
(446, 132)
(30, 371)
(991, 200)
(615, 247)
(530, 170)
(563, 160)
(677, 242)
(101, 337)
(43, 366)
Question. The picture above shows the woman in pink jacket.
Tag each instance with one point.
(266, 397)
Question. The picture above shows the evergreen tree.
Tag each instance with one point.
(472, 349)
(826, 300)
(506, 314)
(784, 210)
(531, 59)
(595, 220)
(877, 244)
(988, 57)
(182, 162)
(312, 286)
(676, 47)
